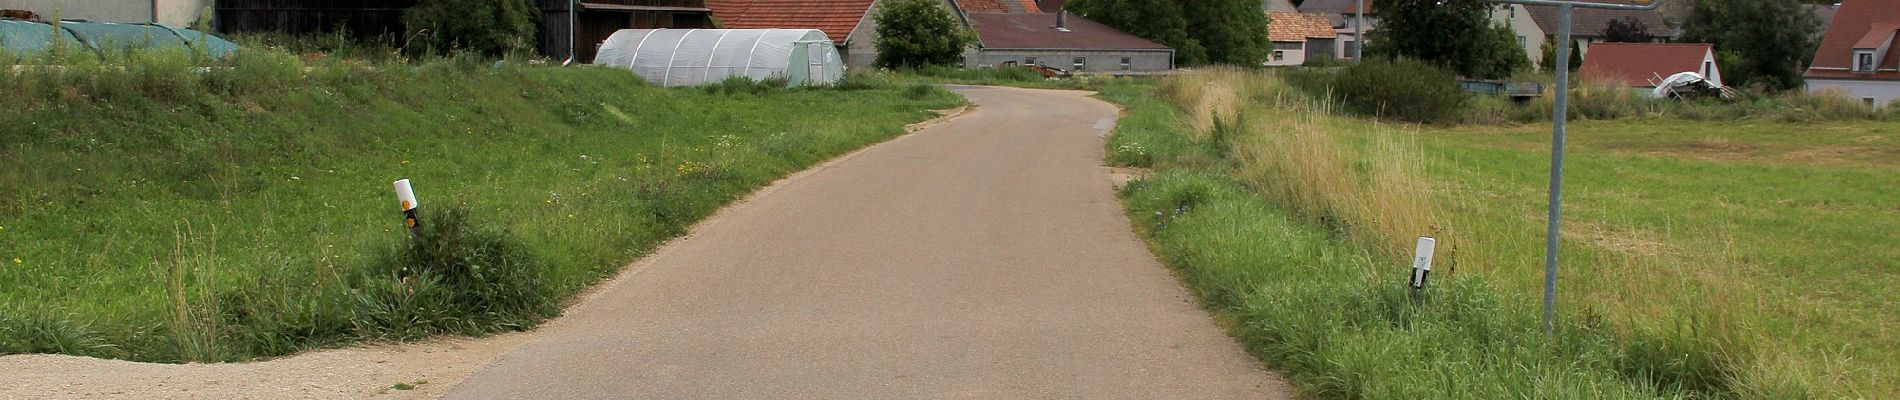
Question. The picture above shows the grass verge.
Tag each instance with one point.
(1681, 276)
(163, 207)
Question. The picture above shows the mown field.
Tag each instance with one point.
(161, 207)
(1701, 259)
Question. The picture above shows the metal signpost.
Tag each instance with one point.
(1558, 115)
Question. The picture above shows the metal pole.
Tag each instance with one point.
(1559, 113)
(1358, 30)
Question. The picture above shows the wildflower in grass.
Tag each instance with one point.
(16, 261)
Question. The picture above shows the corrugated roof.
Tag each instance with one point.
(1037, 31)
(1636, 64)
(835, 17)
(999, 6)
(1297, 27)
(1852, 23)
(1589, 22)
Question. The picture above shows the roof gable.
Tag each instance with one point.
(1637, 64)
(1297, 27)
(1037, 31)
(1855, 22)
(837, 18)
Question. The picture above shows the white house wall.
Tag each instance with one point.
(1514, 16)
(168, 12)
(1882, 92)
(1290, 57)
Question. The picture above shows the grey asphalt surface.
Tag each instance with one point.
(985, 257)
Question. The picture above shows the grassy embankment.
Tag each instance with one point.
(155, 211)
(1700, 259)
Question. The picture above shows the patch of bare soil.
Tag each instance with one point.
(397, 371)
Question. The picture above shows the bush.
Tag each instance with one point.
(914, 33)
(487, 27)
(453, 277)
(1404, 89)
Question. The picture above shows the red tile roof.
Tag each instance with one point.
(1297, 27)
(1637, 64)
(1037, 31)
(1854, 22)
(835, 17)
(999, 6)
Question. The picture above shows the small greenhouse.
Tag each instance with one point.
(688, 57)
(25, 37)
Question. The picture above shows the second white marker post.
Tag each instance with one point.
(407, 197)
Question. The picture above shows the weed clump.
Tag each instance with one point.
(454, 277)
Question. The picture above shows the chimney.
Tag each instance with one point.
(1062, 21)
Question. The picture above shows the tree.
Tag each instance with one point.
(916, 33)
(1233, 31)
(1549, 61)
(1162, 21)
(1626, 30)
(1225, 31)
(1765, 43)
(490, 27)
(1455, 34)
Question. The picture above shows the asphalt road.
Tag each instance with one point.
(985, 257)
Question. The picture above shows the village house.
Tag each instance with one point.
(1063, 41)
(1856, 54)
(1587, 26)
(1643, 65)
(1299, 37)
(1342, 14)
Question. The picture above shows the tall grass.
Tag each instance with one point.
(1300, 231)
(166, 207)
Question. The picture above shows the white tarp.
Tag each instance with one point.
(688, 57)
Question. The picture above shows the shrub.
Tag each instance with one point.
(453, 277)
(1403, 89)
(487, 27)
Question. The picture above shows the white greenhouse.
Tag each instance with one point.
(688, 57)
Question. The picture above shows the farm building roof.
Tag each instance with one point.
(1297, 27)
(1590, 22)
(1637, 64)
(1038, 31)
(999, 6)
(1858, 23)
(835, 17)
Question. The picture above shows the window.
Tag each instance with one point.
(1029, 60)
(1127, 63)
(1081, 63)
(1708, 69)
(1279, 55)
(1863, 61)
(1349, 46)
(1524, 42)
(1868, 100)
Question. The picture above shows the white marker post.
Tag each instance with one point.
(1422, 263)
(407, 197)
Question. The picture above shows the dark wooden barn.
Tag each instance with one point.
(592, 20)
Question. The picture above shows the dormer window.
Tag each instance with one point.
(1864, 61)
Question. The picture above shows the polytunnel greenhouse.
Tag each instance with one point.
(688, 57)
